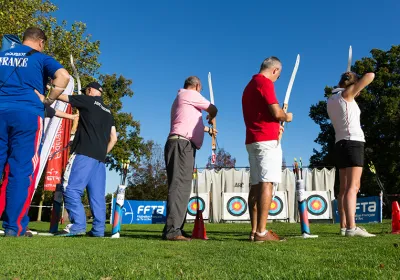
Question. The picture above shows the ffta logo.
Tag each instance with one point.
(150, 208)
(367, 206)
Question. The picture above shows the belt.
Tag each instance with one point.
(175, 136)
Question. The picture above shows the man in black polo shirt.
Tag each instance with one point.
(94, 138)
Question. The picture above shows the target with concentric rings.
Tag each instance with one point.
(276, 206)
(316, 205)
(192, 205)
(236, 206)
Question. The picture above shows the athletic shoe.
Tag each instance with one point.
(11, 233)
(66, 232)
(31, 231)
(1, 232)
(268, 236)
(358, 231)
(90, 234)
(343, 231)
(251, 236)
(69, 234)
(28, 234)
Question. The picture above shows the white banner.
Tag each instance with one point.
(51, 127)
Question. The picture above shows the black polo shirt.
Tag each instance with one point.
(95, 122)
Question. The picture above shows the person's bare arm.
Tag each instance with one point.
(60, 82)
(63, 115)
(113, 139)
(63, 97)
(279, 114)
(352, 91)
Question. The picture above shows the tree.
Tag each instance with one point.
(16, 16)
(62, 42)
(223, 160)
(149, 180)
(380, 119)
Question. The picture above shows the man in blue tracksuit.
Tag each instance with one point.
(24, 69)
(94, 138)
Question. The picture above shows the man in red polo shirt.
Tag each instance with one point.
(262, 114)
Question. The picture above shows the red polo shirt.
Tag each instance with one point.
(260, 124)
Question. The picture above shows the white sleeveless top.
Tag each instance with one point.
(345, 117)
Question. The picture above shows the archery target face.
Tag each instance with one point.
(194, 203)
(276, 206)
(236, 206)
(316, 205)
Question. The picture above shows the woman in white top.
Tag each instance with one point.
(349, 148)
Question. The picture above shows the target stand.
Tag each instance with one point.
(235, 207)
(318, 205)
(279, 207)
(200, 202)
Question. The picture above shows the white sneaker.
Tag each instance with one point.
(67, 227)
(31, 231)
(343, 231)
(1, 232)
(358, 231)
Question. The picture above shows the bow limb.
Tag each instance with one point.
(214, 122)
(289, 90)
(76, 74)
(78, 80)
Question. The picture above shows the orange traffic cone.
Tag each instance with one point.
(395, 218)
(199, 231)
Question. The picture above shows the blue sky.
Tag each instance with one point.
(159, 43)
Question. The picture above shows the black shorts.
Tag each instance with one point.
(349, 153)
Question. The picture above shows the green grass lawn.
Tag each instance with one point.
(141, 254)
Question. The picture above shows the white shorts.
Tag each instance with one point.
(265, 162)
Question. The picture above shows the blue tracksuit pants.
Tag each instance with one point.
(20, 144)
(82, 172)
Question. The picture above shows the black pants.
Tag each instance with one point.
(179, 160)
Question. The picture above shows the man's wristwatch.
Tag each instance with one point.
(49, 100)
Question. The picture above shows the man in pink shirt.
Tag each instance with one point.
(185, 137)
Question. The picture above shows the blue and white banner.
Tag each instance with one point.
(9, 41)
(368, 210)
(143, 212)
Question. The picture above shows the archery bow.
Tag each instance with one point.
(78, 80)
(76, 74)
(289, 88)
(214, 125)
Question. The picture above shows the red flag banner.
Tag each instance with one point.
(59, 155)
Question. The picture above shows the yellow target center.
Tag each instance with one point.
(316, 205)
